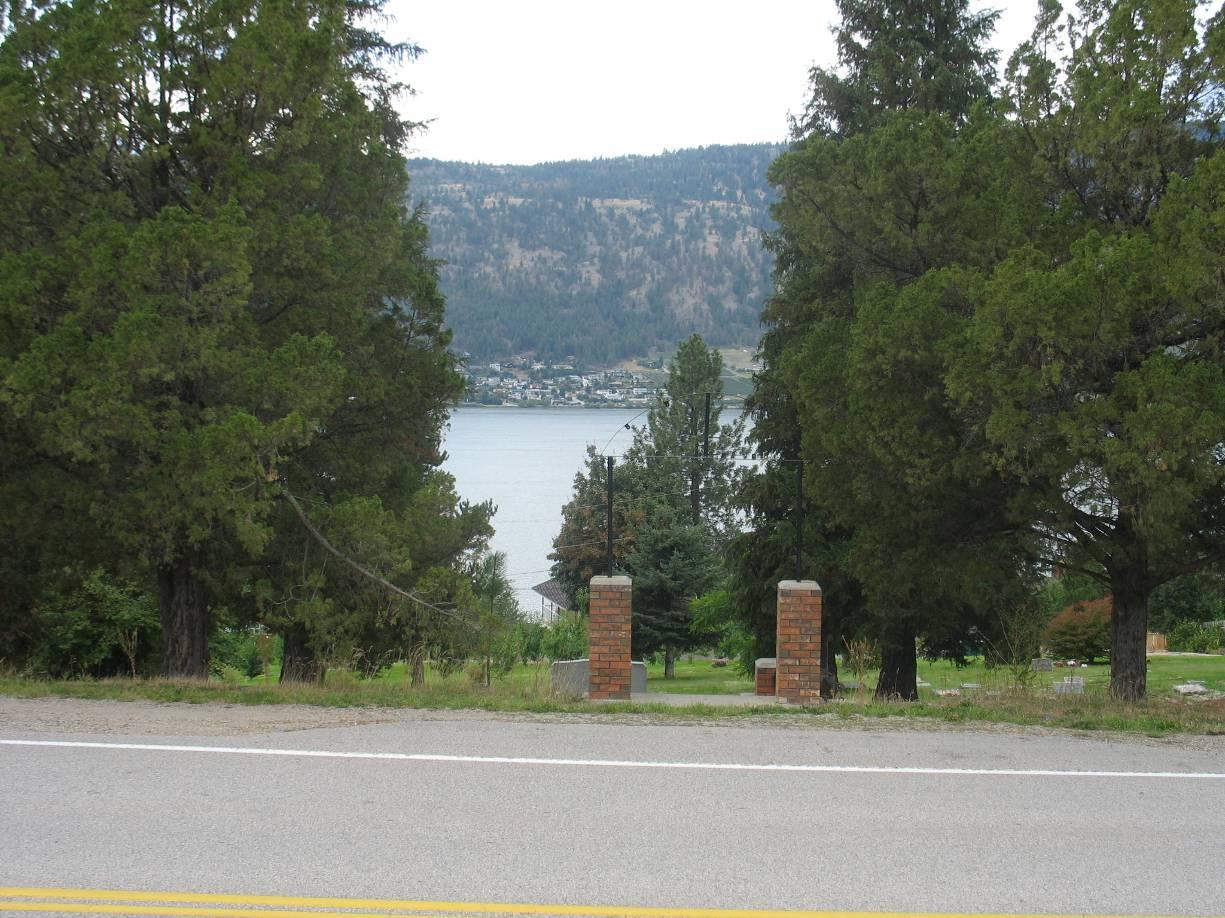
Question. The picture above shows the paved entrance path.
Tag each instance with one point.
(679, 700)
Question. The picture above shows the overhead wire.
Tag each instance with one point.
(382, 581)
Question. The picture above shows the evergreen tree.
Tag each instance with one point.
(1093, 367)
(921, 55)
(881, 189)
(672, 502)
(1001, 332)
(686, 453)
(212, 293)
(580, 547)
(671, 564)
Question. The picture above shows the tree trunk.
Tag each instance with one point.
(669, 663)
(417, 680)
(829, 660)
(298, 662)
(1128, 635)
(185, 620)
(899, 665)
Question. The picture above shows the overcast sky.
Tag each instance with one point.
(527, 81)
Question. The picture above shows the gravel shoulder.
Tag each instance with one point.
(87, 717)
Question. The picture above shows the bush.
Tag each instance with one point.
(566, 639)
(714, 619)
(103, 627)
(1191, 598)
(1081, 631)
(529, 641)
(1193, 637)
(237, 649)
(1056, 593)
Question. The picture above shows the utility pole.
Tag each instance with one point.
(799, 518)
(706, 432)
(488, 661)
(608, 528)
(697, 474)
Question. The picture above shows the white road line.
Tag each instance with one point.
(617, 763)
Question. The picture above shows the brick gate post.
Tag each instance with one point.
(608, 637)
(798, 680)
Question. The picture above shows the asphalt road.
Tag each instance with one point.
(967, 823)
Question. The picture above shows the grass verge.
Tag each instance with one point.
(528, 692)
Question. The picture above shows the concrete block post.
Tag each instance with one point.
(608, 637)
(798, 677)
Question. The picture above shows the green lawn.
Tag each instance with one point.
(1164, 672)
(698, 678)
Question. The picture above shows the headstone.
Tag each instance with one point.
(1042, 665)
(970, 685)
(638, 678)
(1072, 685)
(570, 678)
(1191, 688)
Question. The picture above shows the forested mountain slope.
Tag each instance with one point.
(601, 259)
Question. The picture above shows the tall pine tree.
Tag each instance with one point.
(878, 190)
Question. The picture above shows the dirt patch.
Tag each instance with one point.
(148, 718)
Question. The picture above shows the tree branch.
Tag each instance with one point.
(365, 572)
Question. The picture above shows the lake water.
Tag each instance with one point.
(524, 460)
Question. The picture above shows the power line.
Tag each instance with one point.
(383, 582)
(585, 544)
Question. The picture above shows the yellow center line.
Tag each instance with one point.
(143, 902)
(81, 908)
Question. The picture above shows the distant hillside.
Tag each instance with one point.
(602, 259)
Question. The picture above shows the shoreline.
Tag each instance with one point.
(736, 404)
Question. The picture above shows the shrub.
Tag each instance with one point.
(237, 649)
(1056, 593)
(714, 619)
(566, 639)
(1193, 637)
(1192, 598)
(1081, 631)
(529, 641)
(103, 627)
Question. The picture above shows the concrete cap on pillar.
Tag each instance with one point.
(798, 585)
(620, 580)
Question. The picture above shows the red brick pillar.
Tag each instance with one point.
(608, 638)
(798, 678)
